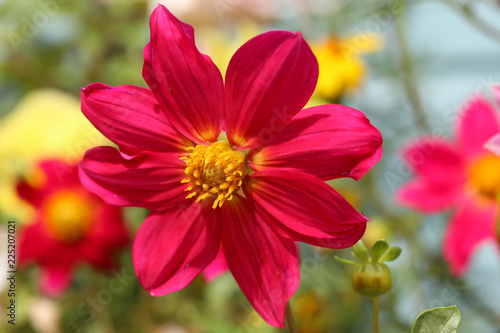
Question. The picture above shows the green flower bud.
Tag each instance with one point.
(371, 279)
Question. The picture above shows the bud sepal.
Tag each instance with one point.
(371, 277)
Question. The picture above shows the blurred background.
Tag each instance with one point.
(408, 65)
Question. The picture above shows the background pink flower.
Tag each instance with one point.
(461, 175)
(71, 226)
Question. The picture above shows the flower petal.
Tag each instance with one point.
(149, 179)
(49, 176)
(496, 92)
(172, 247)
(268, 80)
(329, 141)
(493, 144)
(55, 279)
(435, 160)
(478, 122)
(472, 224)
(187, 84)
(216, 267)
(28, 193)
(131, 117)
(35, 245)
(428, 198)
(264, 264)
(107, 236)
(305, 208)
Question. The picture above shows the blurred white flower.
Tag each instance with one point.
(44, 315)
(3, 256)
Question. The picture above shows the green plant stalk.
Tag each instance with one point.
(409, 77)
(469, 14)
(376, 310)
(290, 320)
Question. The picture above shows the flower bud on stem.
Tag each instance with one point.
(371, 277)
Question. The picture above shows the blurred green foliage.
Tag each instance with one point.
(69, 44)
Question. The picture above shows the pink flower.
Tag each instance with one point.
(461, 175)
(71, 226)
(255, 193)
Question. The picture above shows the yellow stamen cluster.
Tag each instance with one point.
(214, 171)
(484, 176)
(68, 216)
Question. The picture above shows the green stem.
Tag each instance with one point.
(290, 320)
(409, 76)
(376, 308)
(475, 20)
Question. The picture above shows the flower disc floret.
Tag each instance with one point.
(484, 177)
(215, 171)
(68, 216)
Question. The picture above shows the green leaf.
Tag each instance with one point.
(378, 250)
(345, 261)
(360, 251)
(392, 254)
(438, 320)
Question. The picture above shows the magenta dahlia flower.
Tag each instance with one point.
(252, 191)
(71, 227)
(462, 175)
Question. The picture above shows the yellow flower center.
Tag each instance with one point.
(68, 216)
(214, 171)
(484, 176)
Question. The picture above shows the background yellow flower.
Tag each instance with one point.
(341, 67)
(46, 124)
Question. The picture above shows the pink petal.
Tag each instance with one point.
(58, 173)
(428, 198)
(268, 80)
(493, 144)
(496, 93)
(28, 193)
(131, 117)
(56, 176)
(107, 236)
(150, 180)
(187, 84)
(477, 123)
(264, 264)
(55, 279)
(35, 245)
(305, 208)
(435, 160)
(216, 267)
(171, 248)
(329, 141)
(472, 224)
